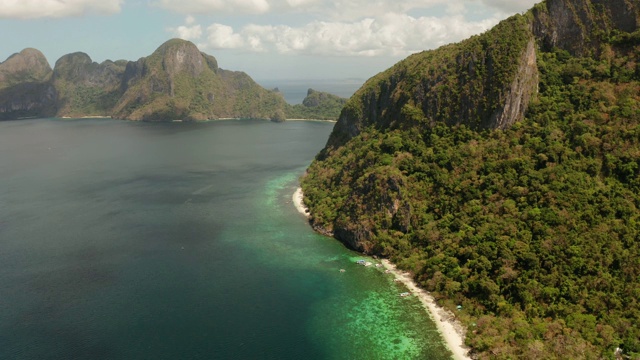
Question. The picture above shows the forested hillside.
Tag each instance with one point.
(176, 82)
(533, 228)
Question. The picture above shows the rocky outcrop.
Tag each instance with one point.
(520, 93)
(29, 65)
(579, 26)
(179, 82)
(85, 87)
(27, 100)
(25, 90)
(486, 81)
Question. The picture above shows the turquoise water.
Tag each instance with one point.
(124, 240)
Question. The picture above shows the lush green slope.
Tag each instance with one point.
(534, 229)
(317, 105)
(179, 82)
(84, 87)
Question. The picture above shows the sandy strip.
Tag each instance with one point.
(452, 331)
(297, 201)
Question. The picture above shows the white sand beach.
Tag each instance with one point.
(297, 201)
(452, 331)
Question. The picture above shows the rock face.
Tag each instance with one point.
(179, 82)
(576, 25)
(176, 82)
(25, 90)
(84, 87)
(486, 81)
(29, 65)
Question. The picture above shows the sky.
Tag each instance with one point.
(268, 39)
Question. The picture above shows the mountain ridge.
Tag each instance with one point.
(176, 82)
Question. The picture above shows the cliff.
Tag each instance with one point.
(25, 90)
(84, 87)
(504, 172)
(179, 82)
(487, 81)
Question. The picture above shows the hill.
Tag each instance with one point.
(317, 105)
(25, 88)
(177, 81)
(504, 172)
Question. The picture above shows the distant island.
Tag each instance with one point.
(504, 172)
(176, 82)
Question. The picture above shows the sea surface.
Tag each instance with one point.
(129, 240)
(294, 91)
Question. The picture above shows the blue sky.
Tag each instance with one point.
(268, 39)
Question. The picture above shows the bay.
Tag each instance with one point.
(128, 240)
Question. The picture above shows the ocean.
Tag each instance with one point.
(294, 91)
(130, 240)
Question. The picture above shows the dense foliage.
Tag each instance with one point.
(317, 105)
(534, 230)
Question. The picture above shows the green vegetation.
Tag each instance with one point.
(318, 106)
(458, 83)
(180, 82)
(533, 229)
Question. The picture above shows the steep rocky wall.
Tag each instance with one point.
(522, 89)
(27, 100)
(578, 25)
(484, 82)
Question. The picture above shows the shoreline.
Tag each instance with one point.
(452, 332)
(299, 203)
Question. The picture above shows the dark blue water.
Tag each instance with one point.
(125, 240)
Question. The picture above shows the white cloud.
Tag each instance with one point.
(32, 9)
(392, 34)
(510, 6)
(334, 9)
(189, 31)
(216, 6)
(223, 37)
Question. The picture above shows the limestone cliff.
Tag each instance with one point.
(488, 80)
(580, 26)
(25, 90)
(84, 87)
(179, 82)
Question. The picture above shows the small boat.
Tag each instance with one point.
(361, 262)
(342, 270)
(405, 294)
